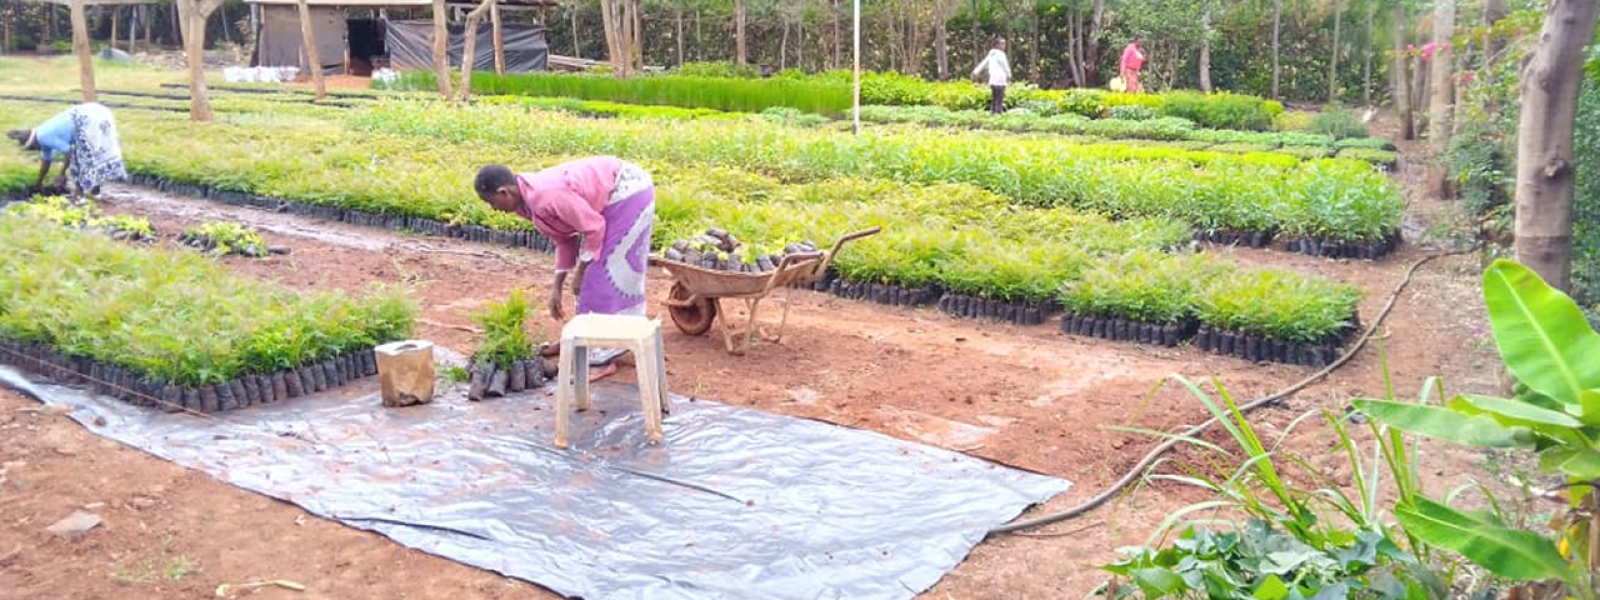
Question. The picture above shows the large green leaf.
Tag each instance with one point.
(1157, 582)
(1517, 411)
(1442, 423)
(1577, 463)
(1542, 336)
(1514, 553)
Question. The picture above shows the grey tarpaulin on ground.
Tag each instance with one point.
(737, 504)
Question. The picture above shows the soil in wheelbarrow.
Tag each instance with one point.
(1027, 396)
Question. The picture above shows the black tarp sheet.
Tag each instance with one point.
(737, 504)
(410, 46)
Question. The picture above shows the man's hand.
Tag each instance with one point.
(556, 312)
(577, 278)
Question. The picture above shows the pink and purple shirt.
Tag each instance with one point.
(565, 202)
(1132, 58)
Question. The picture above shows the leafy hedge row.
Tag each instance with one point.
(739, 95)
(1332, 199)
(830, 93)
(173, 317)
(1300, 145)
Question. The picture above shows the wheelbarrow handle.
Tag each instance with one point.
(828, 260)
(856, 236)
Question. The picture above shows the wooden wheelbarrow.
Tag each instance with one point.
(697, 293)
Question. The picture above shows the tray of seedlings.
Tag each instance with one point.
(222, 237)
(188, 335)
(85, 215)
(711, 268)
(505, 362)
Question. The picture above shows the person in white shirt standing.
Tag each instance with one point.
(999, 75)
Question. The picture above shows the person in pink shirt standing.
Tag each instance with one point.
(599, 212)
(1132, 60)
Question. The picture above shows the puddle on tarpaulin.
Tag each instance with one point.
(775, 506)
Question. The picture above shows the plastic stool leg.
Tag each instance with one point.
(580, 366)
(661, 370)
(565, 388)
(650, 395)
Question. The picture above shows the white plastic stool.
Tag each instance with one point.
(636, 334)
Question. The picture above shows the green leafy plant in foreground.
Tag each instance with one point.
(505, 331)
(1329, 542)
(1555, 356)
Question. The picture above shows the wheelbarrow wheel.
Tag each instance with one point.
(697, 317)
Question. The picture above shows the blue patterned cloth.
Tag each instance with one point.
(96, 151)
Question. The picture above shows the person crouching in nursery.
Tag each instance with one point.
(84, 138)
(599, 213)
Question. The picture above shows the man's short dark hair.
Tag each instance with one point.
(20, 135)
(493, 177)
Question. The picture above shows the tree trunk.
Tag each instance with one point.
(1366, 60)
(783, 46)
(1277, 30)
(80, 46)
(441, 50)
(800, 44)
(838, 42)
(499, 38)
(144, 22)
(1401, 75)
(678, 16)
(636, 36)
(116, 19)
(1493, 12)
(5, 30)
(699, 41)
(1440, 84)
(1550, 85)
(309, 41)
(1091, 54)
(1205, 49)
(609, 24)
(1333, 59)
(941, 48)
(738, 32)
(576, 51)
(1033, 39)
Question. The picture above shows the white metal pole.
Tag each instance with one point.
(855, 102)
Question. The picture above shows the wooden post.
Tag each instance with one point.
(192, 16)
(313, 62)
(5, 30)
(499, 39)
(441, 49)
(469, 47)
(80, 46)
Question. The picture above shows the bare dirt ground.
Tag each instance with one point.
(1025, 396)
